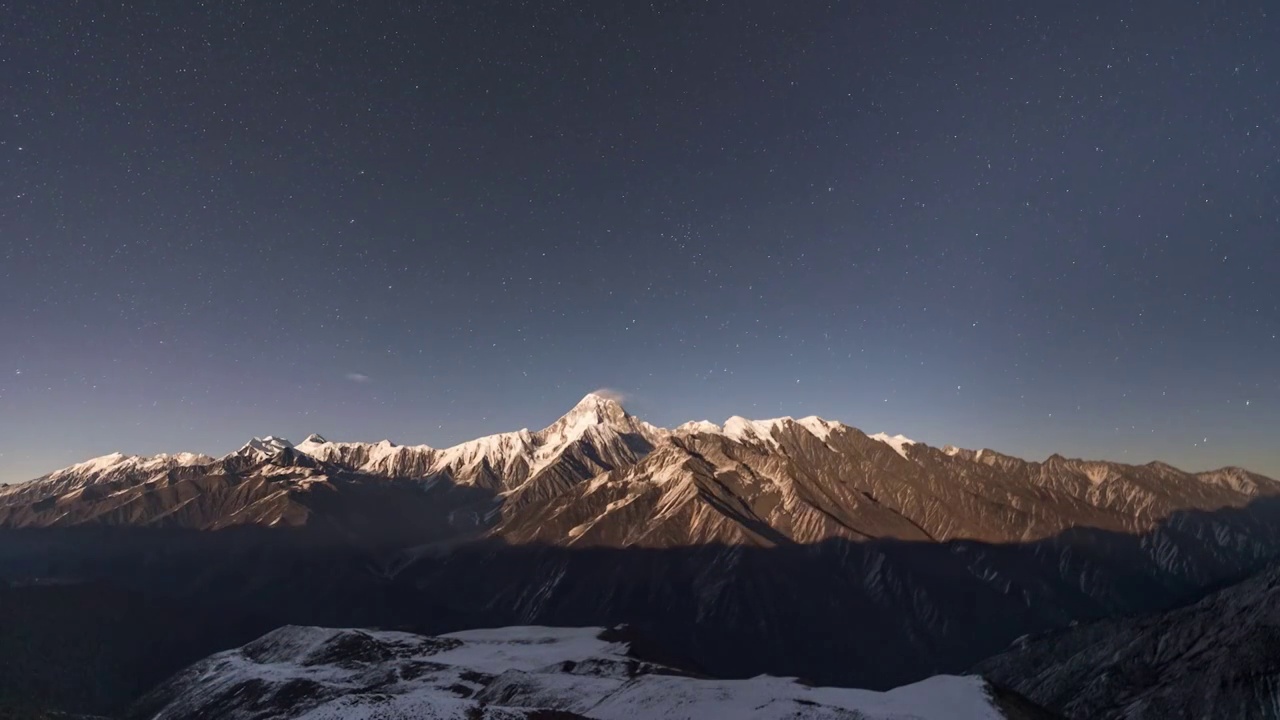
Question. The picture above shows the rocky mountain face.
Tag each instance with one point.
(794, 547)
(271, 483)
(1219, 657)
(521, 672)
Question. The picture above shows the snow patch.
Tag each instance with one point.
(899, 443)
(748, 431)
(99, 464)
(699, 426)
(1098, 473)
(529, 668)
(117, 464)
(820, 428)
(265, 447)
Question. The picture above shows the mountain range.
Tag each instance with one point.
(794, 547)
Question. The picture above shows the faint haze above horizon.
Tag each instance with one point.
(1038, 229)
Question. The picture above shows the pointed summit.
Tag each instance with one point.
(264, 447)
(600, 406)
(594, 409)
(314, 439)
(598, 411)
(270, 442)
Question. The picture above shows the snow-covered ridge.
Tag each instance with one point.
(522, 454)
(699, 426)
(117, 461)
(744, 430)
(899, 443)
(264, 447)
(118, 464)
(518, 455)
(102, 469)
(539, 449)
(762, 431)
(514, 672)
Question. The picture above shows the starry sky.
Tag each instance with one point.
(1035, 227)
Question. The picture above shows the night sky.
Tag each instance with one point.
(1036, 227)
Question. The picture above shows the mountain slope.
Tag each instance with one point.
(783, 546)
(773, 480)
(271, 482)
(594, 436)
(1219, 657)
(740, 535)
(517, 672)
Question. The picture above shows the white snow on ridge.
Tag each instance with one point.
(699, 426)
(744, 430)
(529, 668)
(119, 462)
(500, 450)
(264, 447)
(95, 465)
(595, 417)
(899, 443)
(819, 427)
(185, 458)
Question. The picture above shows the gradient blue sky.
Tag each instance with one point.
(1036, 229)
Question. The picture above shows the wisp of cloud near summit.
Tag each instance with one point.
(611, 394)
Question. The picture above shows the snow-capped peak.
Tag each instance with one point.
(119, 461)
(699, 426)
(264, 447)
(98, 464)
(899, 443)
(819, 427)
(744, 430)
(186, 458)
(593, 409)
(115, 466)
(314, 445)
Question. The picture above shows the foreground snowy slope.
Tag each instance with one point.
(516, 672)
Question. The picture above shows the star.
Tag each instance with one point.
(757, 276)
